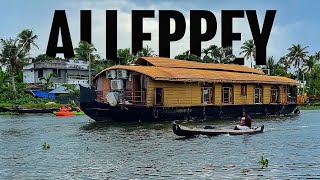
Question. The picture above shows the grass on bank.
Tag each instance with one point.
(309, 107)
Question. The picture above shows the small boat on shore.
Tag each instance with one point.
(180, 130)
(76, 113)
(64, 113)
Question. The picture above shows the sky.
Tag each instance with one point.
(296, 21)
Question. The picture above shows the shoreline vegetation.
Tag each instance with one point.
(298, 64)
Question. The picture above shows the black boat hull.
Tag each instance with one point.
(104, 112)
(189, 132)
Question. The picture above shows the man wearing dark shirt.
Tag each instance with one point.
(245, 122)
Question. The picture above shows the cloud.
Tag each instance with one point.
(278, 38)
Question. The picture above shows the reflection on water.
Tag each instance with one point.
(90, 150)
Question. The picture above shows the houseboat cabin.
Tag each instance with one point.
(157, 88)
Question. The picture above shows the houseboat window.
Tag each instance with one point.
(40, 73)
(158, 96)
(227, 95)
(243, 90)
(275, 94)
(257, 94)
(207, 95)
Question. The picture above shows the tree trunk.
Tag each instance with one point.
(13, 83)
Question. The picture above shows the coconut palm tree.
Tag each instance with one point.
(249, 50)
(85, 49)
(206, 58)
(297, 55)
(271, 65)
(188, 56)
(125, 56)
(225, 55)
(310, 63)
(13, 56)
(214, 53)
(146, 52)
(27, 39)
(284, 62)
(47, 84)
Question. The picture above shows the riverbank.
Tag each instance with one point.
(310, 107)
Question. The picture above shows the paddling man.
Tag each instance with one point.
(245, 122)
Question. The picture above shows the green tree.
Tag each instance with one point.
(249, 50)
(225, 55)
(297, 56)
(146, 52)
(47, 84)
(188, 56)
(44, 58)
(284, 62)
(13, 56)
(86, 50)
(271, 65)
(206, 58)
(4, 79)
(310, 63)
(27, 40)
(125, 56)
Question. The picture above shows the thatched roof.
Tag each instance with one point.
(175, 63)
(199, 75)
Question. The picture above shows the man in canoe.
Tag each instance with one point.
(245, 122)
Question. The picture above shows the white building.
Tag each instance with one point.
(65, 72)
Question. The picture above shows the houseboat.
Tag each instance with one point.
(156, 88)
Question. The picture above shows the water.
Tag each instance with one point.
(87, 150)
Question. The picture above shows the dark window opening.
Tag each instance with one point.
(40, 73)
(57, 72)
(244, 90)
(158, 96)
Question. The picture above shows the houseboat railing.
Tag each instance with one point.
(291, 100)
(131, 97)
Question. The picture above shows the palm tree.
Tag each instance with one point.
(13, 56)
(310, 63)
(188, 56)
(249, 50)
(125, 56)
(285, 62)
(206, 58)
(271, 65)
(317, 55)
(297, 55)
(225, 55)
(146, 52)
(47, 81)
(85, 50)
(27, 39)
(214, 53)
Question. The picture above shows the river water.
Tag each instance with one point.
(82, 149)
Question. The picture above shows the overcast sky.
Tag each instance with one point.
(295, 21)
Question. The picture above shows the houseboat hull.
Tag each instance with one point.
(104, 112)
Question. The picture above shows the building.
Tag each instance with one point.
(65, 72)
